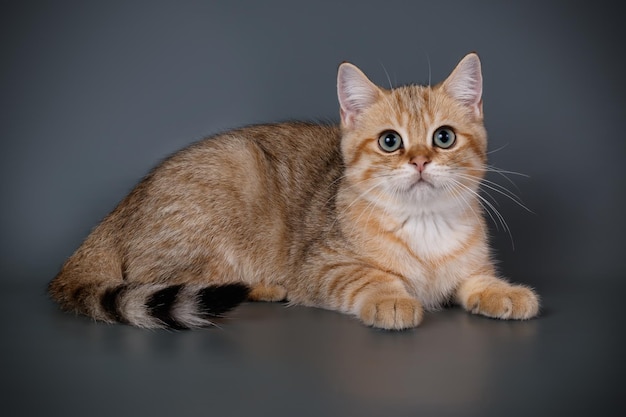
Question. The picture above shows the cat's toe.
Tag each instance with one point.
(507, 302)
(392, 313)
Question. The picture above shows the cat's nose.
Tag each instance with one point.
(420, 162)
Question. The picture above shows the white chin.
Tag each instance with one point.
(423, 190)
(422, 186)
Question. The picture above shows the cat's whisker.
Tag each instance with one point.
(459, 197)
(502, 172)
(387, 74)
(429, 81)
(491, 168)
(395, 193)
(373, 205)
(430, 70)
(460, 186)
(490, 206)
(505, 174)
(497, 149)
(498, 188)
(481, 199)
(350, 185)
(388, 100)
(370, 209)
(332, 184)
(379, 181)
(481, 188)
(483, 182)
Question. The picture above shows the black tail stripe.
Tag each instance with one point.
(110, 303)
(213, 301)
(160, 305)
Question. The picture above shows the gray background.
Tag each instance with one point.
(93, 94)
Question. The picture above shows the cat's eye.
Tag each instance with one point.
(390, 141)
(444, 137)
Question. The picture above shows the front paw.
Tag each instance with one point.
(504, 302)
(391, 313)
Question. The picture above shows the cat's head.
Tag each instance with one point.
(417, 145)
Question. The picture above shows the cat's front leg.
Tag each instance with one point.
(379, 299)
(496, 298)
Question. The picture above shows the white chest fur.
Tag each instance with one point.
(438, 255)
(432, 236)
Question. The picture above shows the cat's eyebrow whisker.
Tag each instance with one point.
(388, 101)
(387, 74)
(430, 72)
(429, 80)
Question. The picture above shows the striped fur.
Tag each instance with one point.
(180, 306)
(311, 214)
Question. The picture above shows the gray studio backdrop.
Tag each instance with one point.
(93, 94)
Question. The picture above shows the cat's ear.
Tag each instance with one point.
(355, 91)
(465, 83)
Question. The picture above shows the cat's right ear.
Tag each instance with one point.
(466, 83)
(355, 91)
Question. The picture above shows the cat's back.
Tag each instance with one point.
(298, 146)
(281, 165)
(256, 159)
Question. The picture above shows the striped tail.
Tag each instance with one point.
(182, 306)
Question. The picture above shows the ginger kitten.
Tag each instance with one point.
(378, 217)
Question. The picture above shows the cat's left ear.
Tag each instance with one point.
(465, 83)
(355, 92)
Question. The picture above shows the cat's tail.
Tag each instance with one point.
(92, 282)
(182, 306)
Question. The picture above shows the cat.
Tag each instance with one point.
(377, 217)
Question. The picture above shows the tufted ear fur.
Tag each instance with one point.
(465, 83)
(355, 91)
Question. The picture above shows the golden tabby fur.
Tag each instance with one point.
(378, 218)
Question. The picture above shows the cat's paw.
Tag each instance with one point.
(504, 302)
(391, 313)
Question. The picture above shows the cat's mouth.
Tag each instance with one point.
(421, 182)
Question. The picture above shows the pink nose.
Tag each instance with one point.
(420, 162)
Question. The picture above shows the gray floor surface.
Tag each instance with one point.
(267, 359)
